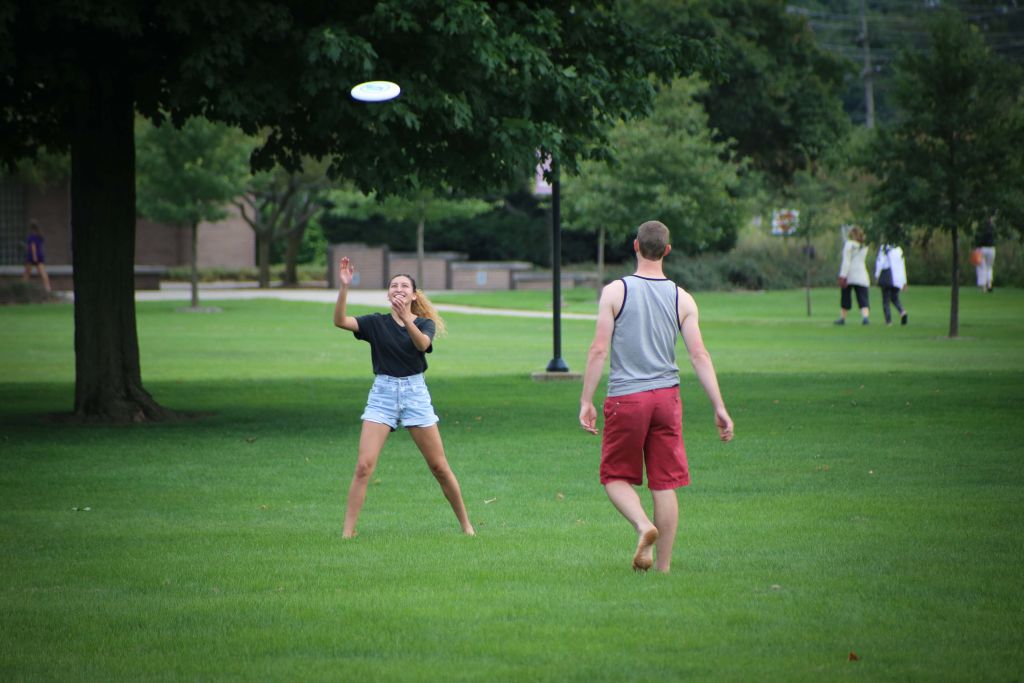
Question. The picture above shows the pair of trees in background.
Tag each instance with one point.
(954, 157)
(195, 172)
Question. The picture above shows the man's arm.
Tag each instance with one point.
(611, 302)
(700, 359)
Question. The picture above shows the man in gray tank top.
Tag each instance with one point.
(637, 321)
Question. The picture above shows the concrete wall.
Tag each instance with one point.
(230, 243)
(470, 275)
(542, 280)
(51, 208)
(437, 272)
(370, 263)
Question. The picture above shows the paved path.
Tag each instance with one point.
(367, 297)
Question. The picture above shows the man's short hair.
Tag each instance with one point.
(653, 238)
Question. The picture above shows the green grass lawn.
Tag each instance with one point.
(872, 502)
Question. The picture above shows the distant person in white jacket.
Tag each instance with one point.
(891, 276)
(985, 243)
(853, 276)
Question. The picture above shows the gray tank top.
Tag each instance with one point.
(643, 355)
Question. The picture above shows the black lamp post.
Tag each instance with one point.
(557, 364)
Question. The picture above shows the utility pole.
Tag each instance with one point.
(868, 72)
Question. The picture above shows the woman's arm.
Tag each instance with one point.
(341, 319)
(420, 339)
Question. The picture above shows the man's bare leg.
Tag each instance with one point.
(627, 501)
(666, 518)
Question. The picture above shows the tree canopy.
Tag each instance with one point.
(484, 86)
(666, 167)
(773, 90)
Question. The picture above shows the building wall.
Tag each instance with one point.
(160, 244)
(50, 207)
(229, 243)
(370, 263)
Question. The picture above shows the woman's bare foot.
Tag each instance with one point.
(643, 559)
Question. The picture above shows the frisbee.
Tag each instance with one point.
(376, 91)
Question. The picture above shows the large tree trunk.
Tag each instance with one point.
(600, 260)
(108, 381)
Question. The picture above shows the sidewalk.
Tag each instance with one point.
(227, 291)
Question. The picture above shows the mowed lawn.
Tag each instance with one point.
(867, 523)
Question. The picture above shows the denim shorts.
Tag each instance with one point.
(400, 402)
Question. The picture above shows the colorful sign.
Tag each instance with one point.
(785, 221)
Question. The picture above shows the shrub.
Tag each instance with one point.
(20, 292)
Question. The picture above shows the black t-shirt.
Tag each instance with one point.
(391, 348)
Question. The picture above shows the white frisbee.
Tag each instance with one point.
(376, 91)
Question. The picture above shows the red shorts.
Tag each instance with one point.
(641, 429)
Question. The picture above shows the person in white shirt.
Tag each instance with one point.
(853, 276)
(891, 276)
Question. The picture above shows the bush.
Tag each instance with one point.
(305, 273)
(928, 261)
(759, 262)
(20, 292)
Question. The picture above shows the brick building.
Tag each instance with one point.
(229, 243)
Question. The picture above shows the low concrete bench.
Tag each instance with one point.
(62, 277)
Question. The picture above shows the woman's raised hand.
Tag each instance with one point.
(345, 271)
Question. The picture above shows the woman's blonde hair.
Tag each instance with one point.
(422, 308)
(856, 234)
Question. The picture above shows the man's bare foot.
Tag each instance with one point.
(346, 534)
(643, 559)
(469, 530)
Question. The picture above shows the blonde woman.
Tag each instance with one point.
(853, 276)
(399, 342)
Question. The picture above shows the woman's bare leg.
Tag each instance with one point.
(45, 278)
(428, 440)
(371, 441)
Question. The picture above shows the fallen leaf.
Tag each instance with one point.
(559, 496)
(853, 656)
(489, 501)
(250, 439)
